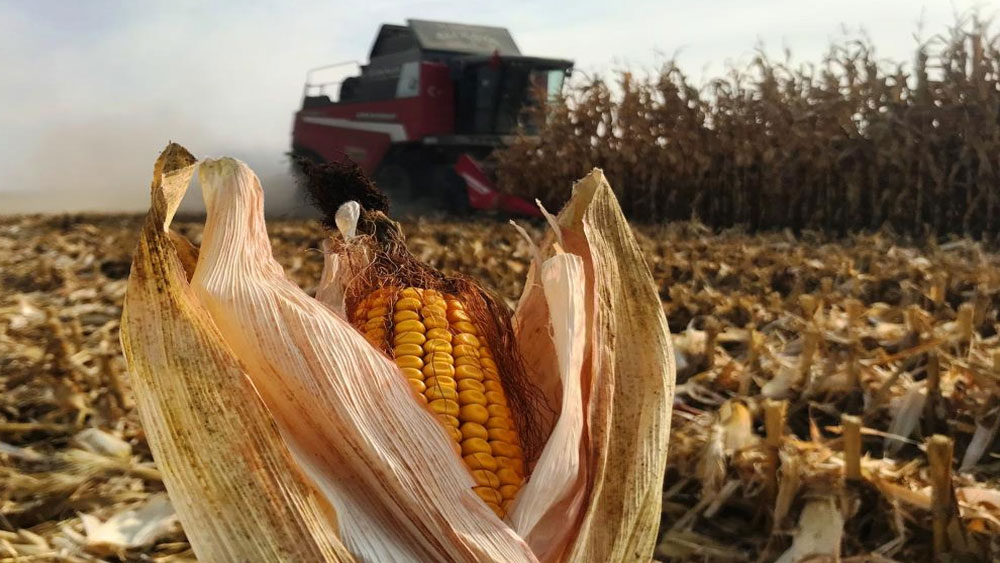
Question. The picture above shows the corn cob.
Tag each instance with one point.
(451, 369)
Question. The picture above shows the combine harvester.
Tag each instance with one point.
(433, 102)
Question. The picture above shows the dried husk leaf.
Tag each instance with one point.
(627, 376)
(554, 493)
(346, 412)
(821, 527)
(633, 384)
(230, 477)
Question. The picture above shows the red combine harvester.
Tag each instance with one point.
(433, 102)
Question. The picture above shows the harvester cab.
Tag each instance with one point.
(424, 114)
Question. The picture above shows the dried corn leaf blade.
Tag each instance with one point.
(631, 365)
(343, 407)
(231, 479)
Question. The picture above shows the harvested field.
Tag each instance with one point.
(777, 339)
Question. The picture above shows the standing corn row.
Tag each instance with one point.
(438, 347)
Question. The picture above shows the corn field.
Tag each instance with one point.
(851, 143)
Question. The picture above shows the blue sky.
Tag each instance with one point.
(91, 90)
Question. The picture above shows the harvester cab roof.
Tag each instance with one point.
(427, 109)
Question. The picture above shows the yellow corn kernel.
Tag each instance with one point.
(471, 398)
(508, 492)
(410, 326)
(409, 338)
(411, 292)
(468, 372)
(429, 311)
(458, 316)
(480, 461)
(489, 494)
(508, 476)
(435, 322)
(488, 363)
(467, 339)
(514, 464)
(400, 316)
(417, 385)
(377, 334)
(504, 449)
(473, 430)
(493, 386)
(439, 358)
(435, 302)
(449, 420)
(498, 410)
(436, 345)
(474, 413)
(495, 398)
(445, 406)
(408, 304)
(441, 392)
(467, 327)
(455, 434)
(468, 384)
(413, 362)
(501, 434)
(465, 350)
(485, 478)
(475, 446)
(467, 361)
(439, 334)
(378, 312)
(438, 368)
(498, 422)
(411, 373)
(407, 350)
(440, 381)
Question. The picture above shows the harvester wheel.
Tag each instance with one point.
(456, 195)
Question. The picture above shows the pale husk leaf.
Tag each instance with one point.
(550, 501)
(230, 477)
(821, 527)
(633, 380)
(348, 415)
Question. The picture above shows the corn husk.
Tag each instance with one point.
(345, 419)
(629, 361)
(230, 476)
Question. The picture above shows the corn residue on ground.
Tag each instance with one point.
(812, 375)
